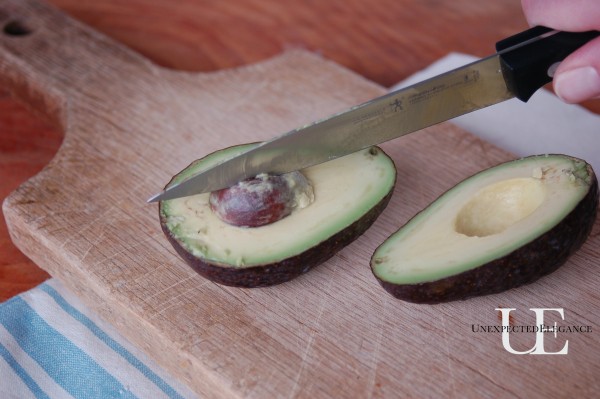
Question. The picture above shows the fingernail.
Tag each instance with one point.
(577, 84)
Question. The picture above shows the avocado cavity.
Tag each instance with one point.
(499, 206)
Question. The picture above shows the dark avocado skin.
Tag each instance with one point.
(525, 265)
(284, 270)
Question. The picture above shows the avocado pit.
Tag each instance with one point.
(262, 200)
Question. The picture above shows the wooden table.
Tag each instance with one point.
(385, 41)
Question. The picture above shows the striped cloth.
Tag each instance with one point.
(52, 346)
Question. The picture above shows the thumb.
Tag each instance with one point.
(578, 77)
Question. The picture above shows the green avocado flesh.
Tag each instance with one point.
(345, 190)
(510, 220)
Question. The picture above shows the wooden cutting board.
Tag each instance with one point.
(130, 125)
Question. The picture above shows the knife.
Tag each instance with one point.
(522, 64)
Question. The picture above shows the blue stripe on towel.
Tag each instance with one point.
(22, 373)
(110, 342)
(68, 365)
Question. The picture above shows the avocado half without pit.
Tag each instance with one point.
(501, 228)
(270, 229)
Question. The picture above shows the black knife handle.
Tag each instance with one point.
(526, 67)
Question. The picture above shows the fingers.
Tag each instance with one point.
(578, 76)
(568, 15)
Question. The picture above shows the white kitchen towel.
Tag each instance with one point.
(52, 346)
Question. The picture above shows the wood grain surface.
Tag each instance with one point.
(129, 125)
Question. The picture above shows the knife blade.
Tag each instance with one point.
(522, 64)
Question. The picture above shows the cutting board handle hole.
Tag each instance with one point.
(16, 28)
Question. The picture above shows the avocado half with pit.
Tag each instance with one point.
(349, 194)
(501, 228)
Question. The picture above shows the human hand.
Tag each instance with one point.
(578, 77)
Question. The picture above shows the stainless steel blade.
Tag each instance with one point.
(465, 89)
